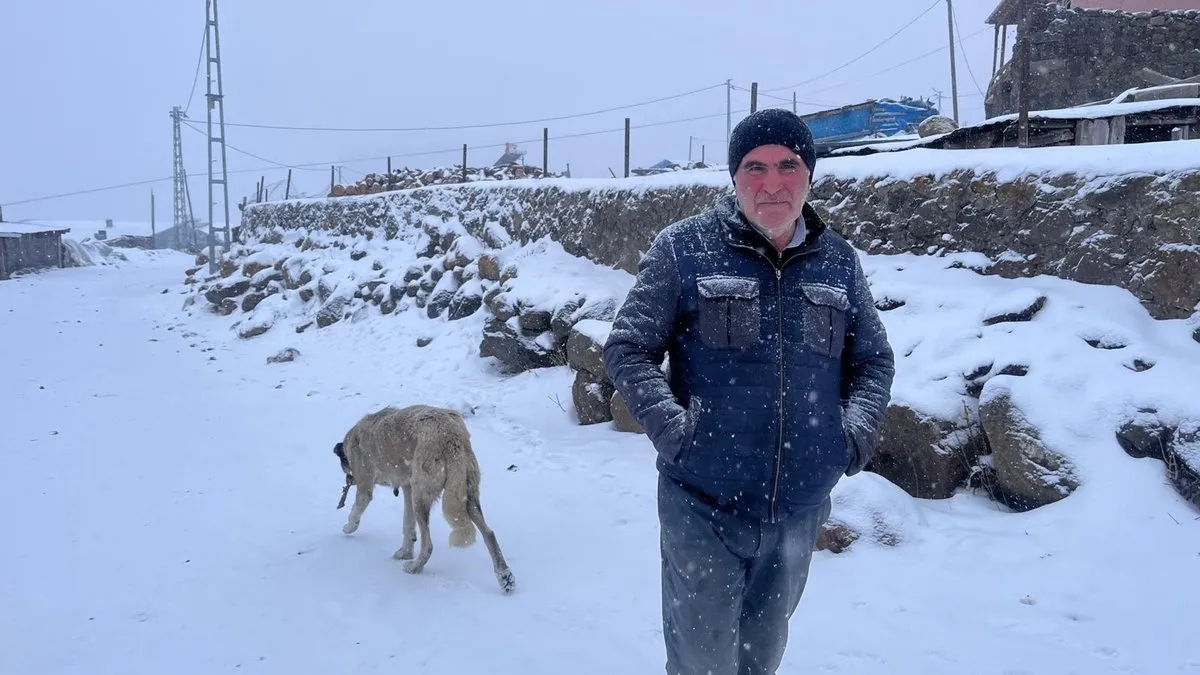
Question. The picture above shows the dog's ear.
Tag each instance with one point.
(337, 450)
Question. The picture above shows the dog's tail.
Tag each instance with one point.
(462, 488)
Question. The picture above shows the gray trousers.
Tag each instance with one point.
(729, 584)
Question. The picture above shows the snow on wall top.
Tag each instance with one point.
(1006, 163)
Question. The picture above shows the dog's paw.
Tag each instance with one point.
(507, 583)
(412, 567)
(350, 528)
(403, 554)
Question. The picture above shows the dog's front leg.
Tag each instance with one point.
(405, 552)
(362, 497)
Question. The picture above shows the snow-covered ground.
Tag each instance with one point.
(170, 499)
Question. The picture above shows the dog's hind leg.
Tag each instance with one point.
(405, 552)
(362, 497)
(422, 504)
(461, 483)
(503, 574)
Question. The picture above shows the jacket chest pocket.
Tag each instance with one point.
(728, 312)
(825, 309)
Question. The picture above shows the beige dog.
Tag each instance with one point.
(426, 452)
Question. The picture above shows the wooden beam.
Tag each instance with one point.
(1149, 119)
(1055, 137)
(1092, 132)
(1116, 130)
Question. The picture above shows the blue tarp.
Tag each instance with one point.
(883, 117)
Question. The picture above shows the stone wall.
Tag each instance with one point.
(1083, 55)
(1138, 230)
(607, 225)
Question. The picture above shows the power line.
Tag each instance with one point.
(425, 153)
(958, 32)
(864, 54)
(900, 65)
(815, 104)
(461, 127)
(90, 190)
(196, 77)
(244, 152)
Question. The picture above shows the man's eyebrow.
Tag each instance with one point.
(790, 161)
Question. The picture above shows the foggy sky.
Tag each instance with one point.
(87, 87)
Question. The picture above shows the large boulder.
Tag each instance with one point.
(1143, 434)
(592, 391)
(622, 419)
(926, 457)
(1183, 466)
(517, 349)
(591, 395)
(936, 125)
(223, 290)
(331, 312)
(867, 508)
(585, 346)
(466, 301)
(1029, 472)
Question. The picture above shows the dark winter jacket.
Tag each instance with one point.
(779, 370)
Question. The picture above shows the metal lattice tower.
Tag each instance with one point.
(185, 224)
(216, 101)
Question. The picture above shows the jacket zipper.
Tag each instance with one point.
(773, 502)
(779, 446)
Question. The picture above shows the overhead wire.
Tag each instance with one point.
(280, 165)
(864, 54)
(424, 153)
(461, 127)
(898, 66)
(196, 77)
(971, 71)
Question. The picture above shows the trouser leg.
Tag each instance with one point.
(704, 568)
(774, 583)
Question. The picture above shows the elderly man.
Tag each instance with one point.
(779, 375)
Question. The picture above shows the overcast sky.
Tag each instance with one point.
(88, 86)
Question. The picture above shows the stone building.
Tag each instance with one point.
(1084, 51)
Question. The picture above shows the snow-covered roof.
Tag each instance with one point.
(1098, 111)
(17, 229)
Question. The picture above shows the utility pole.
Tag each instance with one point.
(1021, 53)
(185, 233)
(753, 97)
(938, 92)
(627, 127)
(690, 149)
(728, 110)
(953, 67)
(216, 101)
(153, 230)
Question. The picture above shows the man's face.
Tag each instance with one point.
(772, 183)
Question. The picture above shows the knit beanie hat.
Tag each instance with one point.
(772, 126)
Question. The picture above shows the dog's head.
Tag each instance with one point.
(340, 451)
